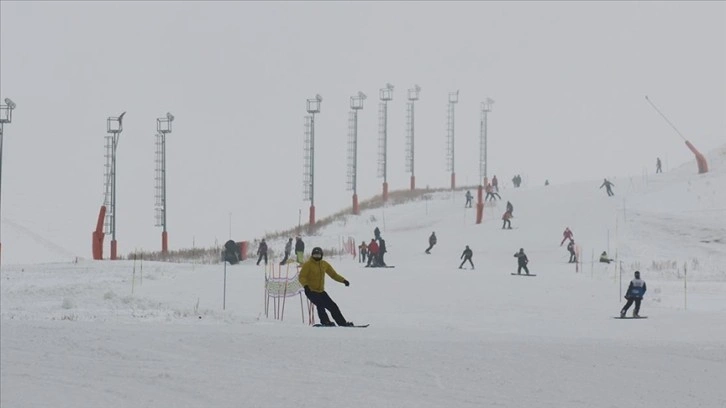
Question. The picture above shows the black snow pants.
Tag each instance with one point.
(522, 266)
(630, 302)
(322, 302)
(464, 261)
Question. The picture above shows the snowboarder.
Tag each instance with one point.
(510, 208)
(466, 255)
(362, 252)
(299, 250)
(432, 242)
(312, 278)
(468, 199)
(658, 168)
(288, 249)
(608, 187)
(262, 252)
(571, 249)
(506, 217)
(566, 235)
(604, 257)
(372, 253)
(495, 183)
(522, 261)
(636, 291)
(381, 251)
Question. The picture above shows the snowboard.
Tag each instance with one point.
(357, 325)
(524, 274)
(630, 317)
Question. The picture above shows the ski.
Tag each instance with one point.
(357, 325)
(630, 317)
(523, 274)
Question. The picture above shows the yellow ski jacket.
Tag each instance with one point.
(313, 273)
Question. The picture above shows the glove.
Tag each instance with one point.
(307, 291)
(346, 283)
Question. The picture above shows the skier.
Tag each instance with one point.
(231, 252)
(635, 293)
(571, 249)
(312, 278)
(566, 235)
(547, 183)
(262, 252)
(507, 215)
(607, 184)
(604, 257)
(362, 252)
(514, 181)
(522, 261)
(510, 208)
(432, 242)
(381, 251)
(658, 168)
(377, 233)
(468, 199)
(299, 249)
(495, 184)
(288, 249)
(491, 193)
(466, 255)
(372, 253)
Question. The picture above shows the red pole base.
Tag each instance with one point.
(97, 236)
(413, 183)
(479, 212)
(385, 191)
(356, 208)
(164, 243)
(453, 180)
(312, 215)
(113, 250)
(700, 159)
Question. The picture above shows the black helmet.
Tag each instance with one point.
(317, 251)
(637, 274)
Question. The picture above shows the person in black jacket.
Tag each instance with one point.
(262, 252)
(608, 187)
(288, 249)
(522, 261)
(571, 249)
(466, 255)
(381, 251)
(432, 242)
(299, 249)
(635, 293)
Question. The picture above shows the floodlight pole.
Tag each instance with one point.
(356, 104)
(453, 100)
(163, 127)
(313, 107)
(413, 95)
(6, 116)
(486, 107)
(114, 127)
(385, 95)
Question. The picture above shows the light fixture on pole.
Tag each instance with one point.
(313, 107)
(412, 97)
(114, 127)
(6, 116)
(450, 163)
(385, 95)
(163, 127)
(356, 104)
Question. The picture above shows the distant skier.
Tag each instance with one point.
(522, 261)
(468, 199)
(372, 253)
(299, 250)
(604, 257)
(288, 249)
(608, 187)
(514, 181)
(432, 242)
(506, 217)
(362, 252)
(491, 193)
(547, 183)
(312, 278)
(636, 291)
(510, 208)
(495, 184)
(571, 249)
(262, 252)
(377, 233)
(381, 251)
(566, 235)
(658, 168)
(466, 255)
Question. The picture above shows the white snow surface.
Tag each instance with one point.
(74, 334)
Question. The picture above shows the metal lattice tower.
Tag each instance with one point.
(386, 94)
(356, 104)
(450, 157)
(413, 94)
(163, 127)
(6, 116)
(313, 107)
(114, 127)
(486, 107)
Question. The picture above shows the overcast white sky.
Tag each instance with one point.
(568, 78)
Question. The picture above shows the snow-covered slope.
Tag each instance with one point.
(76, 335)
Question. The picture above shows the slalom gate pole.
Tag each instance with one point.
(621, 280)
(133, 275)
(141, 272)
(284, 294)
(685, 286)
(224, 288)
